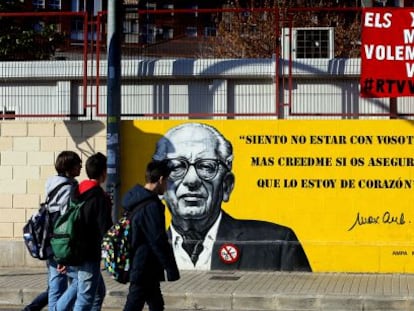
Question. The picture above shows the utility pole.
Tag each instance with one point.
(114, 103)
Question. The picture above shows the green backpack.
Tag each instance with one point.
(67, 239)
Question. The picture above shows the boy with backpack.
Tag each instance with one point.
(94, 221)
(68, 165)
(151, 253)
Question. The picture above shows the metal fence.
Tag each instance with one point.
(199, 63)
(39, 55)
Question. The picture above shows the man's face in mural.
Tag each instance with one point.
(199, 180)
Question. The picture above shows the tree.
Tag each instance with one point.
(11, 6)
(245, 34)
(26, 38)
(250, 31)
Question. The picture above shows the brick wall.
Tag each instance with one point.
(27, 154)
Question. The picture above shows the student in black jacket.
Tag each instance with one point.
(152, 253)
(96, 220)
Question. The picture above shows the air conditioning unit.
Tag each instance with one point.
(308, 43)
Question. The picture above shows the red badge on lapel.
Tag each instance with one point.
(229, 253)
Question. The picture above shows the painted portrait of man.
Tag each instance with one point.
(203, 235)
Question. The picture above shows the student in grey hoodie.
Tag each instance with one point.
(68, 165)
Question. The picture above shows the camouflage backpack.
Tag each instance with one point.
(116, 247)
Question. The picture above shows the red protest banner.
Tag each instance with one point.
(387, 52)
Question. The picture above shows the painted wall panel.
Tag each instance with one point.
(345, 189)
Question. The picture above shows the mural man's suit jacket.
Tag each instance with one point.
(261, 246)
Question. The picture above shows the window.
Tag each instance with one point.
(308, 43)
(191, 31)
(210, 31)
(76, 29)
(38, 4)
(312, 43)
(131, 22)
(55, 4)
(386, 3)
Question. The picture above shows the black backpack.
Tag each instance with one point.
(38, 229)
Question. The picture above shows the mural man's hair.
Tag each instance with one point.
(223, 147)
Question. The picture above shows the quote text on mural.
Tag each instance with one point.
(331, 161)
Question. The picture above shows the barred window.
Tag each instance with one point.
(305, 43)
(312, 43)
(55, 4)
(38, 4)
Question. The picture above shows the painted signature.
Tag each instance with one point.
(385, 218)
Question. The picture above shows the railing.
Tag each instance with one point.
(36, 51)
(203, 63)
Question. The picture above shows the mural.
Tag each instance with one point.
(203, 235)
(332, 196)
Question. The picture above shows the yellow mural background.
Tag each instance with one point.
(320, 217)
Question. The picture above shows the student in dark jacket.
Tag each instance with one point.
(152, 253)
(96, 220)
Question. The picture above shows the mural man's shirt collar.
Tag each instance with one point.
(204, 259)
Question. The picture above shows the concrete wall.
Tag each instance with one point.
(27, 154)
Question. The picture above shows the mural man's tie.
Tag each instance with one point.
(193, 245)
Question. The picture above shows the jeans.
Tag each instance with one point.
(59, 292)
(90, 288)
(38, 303)
(148, 291)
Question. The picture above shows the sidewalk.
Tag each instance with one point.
(221, 290)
